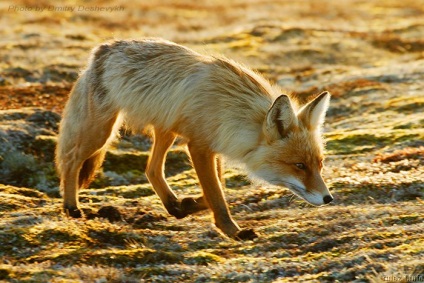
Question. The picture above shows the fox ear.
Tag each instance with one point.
(279, 119)
(312, 114)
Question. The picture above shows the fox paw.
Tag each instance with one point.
(186, 206)
(245, 235)
(192, 205)
(73, 212)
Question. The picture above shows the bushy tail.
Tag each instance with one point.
(89, 168)
(87, 127)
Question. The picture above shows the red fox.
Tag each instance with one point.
(219, 107)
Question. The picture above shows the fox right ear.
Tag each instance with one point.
(279, 119)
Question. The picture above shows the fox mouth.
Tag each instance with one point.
(310, 197)
(297, 190)
(301, 192)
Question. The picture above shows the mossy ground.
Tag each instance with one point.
(368, 54)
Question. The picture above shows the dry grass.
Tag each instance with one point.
(369, 54)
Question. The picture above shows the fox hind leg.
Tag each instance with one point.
(80, 151)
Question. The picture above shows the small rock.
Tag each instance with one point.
(111, 213)
(4, 274)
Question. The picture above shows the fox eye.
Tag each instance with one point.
(301, 166)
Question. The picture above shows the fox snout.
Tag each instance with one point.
(314, 197)
(318, 199)
(317, 192)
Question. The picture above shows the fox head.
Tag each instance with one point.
(291, 152)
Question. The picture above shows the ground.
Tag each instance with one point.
(368, 54)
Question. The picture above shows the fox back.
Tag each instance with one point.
(166, 85)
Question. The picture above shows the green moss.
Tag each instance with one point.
(312, 256)
(122, 162)
(56, 235)
(43, 147)
(362, 142)
(22, 192)
(161, 257)
(414, 248)
(406, 104)
(18, 198)
(26, 170)
(177, 161)
(235, 180)
(18, 168)
(48, 180)
(137, 192)
(131, 191)
(64, 256)
(100, 181)
(202, 258)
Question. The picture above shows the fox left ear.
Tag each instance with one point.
(312, 114)
(280, 119)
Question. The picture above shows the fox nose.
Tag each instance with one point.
(328, 199)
